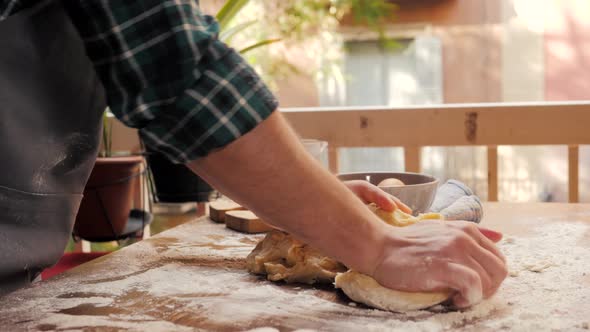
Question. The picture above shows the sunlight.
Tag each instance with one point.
(562, 50)
(539, 15)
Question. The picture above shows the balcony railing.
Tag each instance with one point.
(490, 125)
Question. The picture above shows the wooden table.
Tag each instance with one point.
(192, 277)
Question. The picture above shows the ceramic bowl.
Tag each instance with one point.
(418, 192)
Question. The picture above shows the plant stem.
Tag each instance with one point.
(229, 11)
(259, 44)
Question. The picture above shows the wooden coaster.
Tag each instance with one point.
(246, 222)
(218, 208)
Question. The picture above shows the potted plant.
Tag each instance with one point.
(109, 193)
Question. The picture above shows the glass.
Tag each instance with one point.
(318, 149)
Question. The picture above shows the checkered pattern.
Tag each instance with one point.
(166, 73)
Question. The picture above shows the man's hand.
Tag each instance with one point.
(269, 172)
(427, 262)
(370, 193)
(437, 255)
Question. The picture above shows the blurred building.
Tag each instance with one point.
(466, 51)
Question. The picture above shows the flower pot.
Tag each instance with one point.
(108, 197)
(176, 183)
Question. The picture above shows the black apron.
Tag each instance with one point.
(51, 103)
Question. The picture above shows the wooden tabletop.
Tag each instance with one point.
(192, 277)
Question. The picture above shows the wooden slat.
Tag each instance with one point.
(492, 173)
(553, 123)
(561, 123)
(141, 195)
(573, 174)
(333, 158)
(447, 125)
(412, 159)
(202, 209)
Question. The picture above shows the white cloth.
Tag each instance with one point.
(456, 201)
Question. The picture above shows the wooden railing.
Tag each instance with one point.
(564, 123)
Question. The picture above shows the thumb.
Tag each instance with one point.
(385, 202)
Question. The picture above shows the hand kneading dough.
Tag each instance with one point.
(281, 257)
(362, 288)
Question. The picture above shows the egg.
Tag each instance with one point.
(391, 182)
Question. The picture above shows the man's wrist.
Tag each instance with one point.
(372, 249)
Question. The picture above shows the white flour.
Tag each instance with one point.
(548, 290)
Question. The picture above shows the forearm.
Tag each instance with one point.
(269, 172)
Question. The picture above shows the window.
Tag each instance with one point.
(373, 75)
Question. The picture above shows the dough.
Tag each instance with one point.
(400, 219)
(281, 257)
(391, 182)
(362, 288)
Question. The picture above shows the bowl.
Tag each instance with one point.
(418, 192)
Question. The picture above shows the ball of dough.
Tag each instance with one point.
(391, 182)
(362, 288)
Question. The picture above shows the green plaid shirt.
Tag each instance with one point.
(166, 73)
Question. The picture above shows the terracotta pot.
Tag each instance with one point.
(108, 197)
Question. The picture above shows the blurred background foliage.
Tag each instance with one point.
(269, 34)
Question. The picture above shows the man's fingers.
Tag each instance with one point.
(494, 267)
(369, 193)
(401, 205)
(489, 284)
(460, 301)
(485, 241)
(479, 235)
(491, 234)
(382, 199)
(466, 282)
(491, 263)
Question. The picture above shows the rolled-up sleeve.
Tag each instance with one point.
(166, 73)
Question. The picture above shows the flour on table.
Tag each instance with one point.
(538, 266)
(264, 329)
(191, 293)
(545, 271)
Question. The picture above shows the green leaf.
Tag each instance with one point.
(259, 44)
(371, 12)
(374, 14)
(229, 11)
(228, 34)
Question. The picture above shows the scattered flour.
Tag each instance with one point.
(548, 290)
